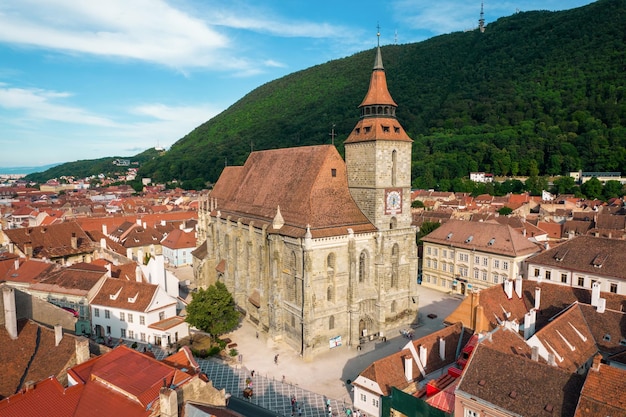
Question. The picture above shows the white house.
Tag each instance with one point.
(137, 311)
(177, 247)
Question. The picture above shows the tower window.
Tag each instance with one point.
(333, 172)
(386, 129)
(396, 129)
(357, 130)
(367, 129)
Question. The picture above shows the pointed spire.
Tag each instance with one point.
(378, 63)
(278, 221)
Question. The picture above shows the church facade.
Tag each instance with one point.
(317, 251)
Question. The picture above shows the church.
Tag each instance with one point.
(319, 252)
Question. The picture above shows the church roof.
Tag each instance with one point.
(308, 185)
(378, 92)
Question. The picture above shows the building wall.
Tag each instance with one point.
(577, 279)
(310, 291)
(446, 268)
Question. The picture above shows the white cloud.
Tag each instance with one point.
(38, 104)
(147, 30)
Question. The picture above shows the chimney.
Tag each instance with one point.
(162, 222)
(551, 359)
(105, 230)
(138, 221)
(10, 313)
(597, 360)
(74, 241)
(103, 243)
(478, 318)
(518, 286)
(442, 348)
(408, 367)
(17, 264)
(601, 305)
(28, 250)
(129, 253)
(537, 298)
(168, 402)
(595, 293)
(108, 267)
(534, 353)
(29, 385)
(144, 225)
(530, 320)
(423, 355)
(81, 346)
(138, 274)
(58, 334)
(508, 288)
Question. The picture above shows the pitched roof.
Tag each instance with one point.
(489, 237)
(518, 384)
(178, 239)
(308, 185)
(603, 392)
(32, 356)
(52, 241)
(44, 398)
(126, 295)
(587, 254)
(388, 372)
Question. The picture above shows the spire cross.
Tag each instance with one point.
(332, 134)
(378, 33)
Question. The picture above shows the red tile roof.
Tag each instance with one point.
(131, 295)
(178, 239)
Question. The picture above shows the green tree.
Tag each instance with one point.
(425, 229)
(505, 211)
(592, 188)
(213, 310)
(564, 185)
(612, 188)
(417, 204)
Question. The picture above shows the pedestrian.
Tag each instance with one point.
(299, 411)
(283, 379)
(276, 359)
(252, 373)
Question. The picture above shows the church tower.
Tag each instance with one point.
(378, 157)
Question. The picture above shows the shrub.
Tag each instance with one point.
(233, 352)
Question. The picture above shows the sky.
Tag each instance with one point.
(84, 79)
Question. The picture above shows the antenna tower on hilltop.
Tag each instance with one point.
(481, 21)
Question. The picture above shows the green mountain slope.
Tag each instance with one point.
(537, 91)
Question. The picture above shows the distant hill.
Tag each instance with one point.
(88, 167)
(538, 92)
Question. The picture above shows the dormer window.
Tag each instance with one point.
(367, 129)
(133, 299)
(396, 129)
(386, 129)
(357, 130)
(117, 294)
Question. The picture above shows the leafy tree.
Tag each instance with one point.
(425, 229)
(592, 188)
(505, 211)
(213, 310)
(564, 185)
(417, 204)
(612, 188)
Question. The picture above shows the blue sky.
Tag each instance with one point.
(84, 79)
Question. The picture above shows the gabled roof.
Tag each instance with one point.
(307, 184)
(52, 241)
(489, 237)
(518, 384)
(388, 372)
(77, 279)
(28, 271)
(126, 295)
(587, 254)
(603, 392)
(32, 356)
(178, 239)
(44, 398)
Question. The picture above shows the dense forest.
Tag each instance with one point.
(538, 93)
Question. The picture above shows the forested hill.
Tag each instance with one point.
(536, 91)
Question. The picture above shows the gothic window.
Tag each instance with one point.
(393, 223)
(291, 280)
(226, 246)
(395, 260)
(331, 322)
(394, 167)
(363, 266)
(329, 293)
(393, 306)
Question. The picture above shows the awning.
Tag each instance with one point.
(255, 299)
(221, 267)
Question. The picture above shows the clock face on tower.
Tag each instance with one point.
(393, 201)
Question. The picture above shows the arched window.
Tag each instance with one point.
(363, 266)
(393, 306)
(393, 223)
(329, 293)
(395, 260)
(331, 322)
